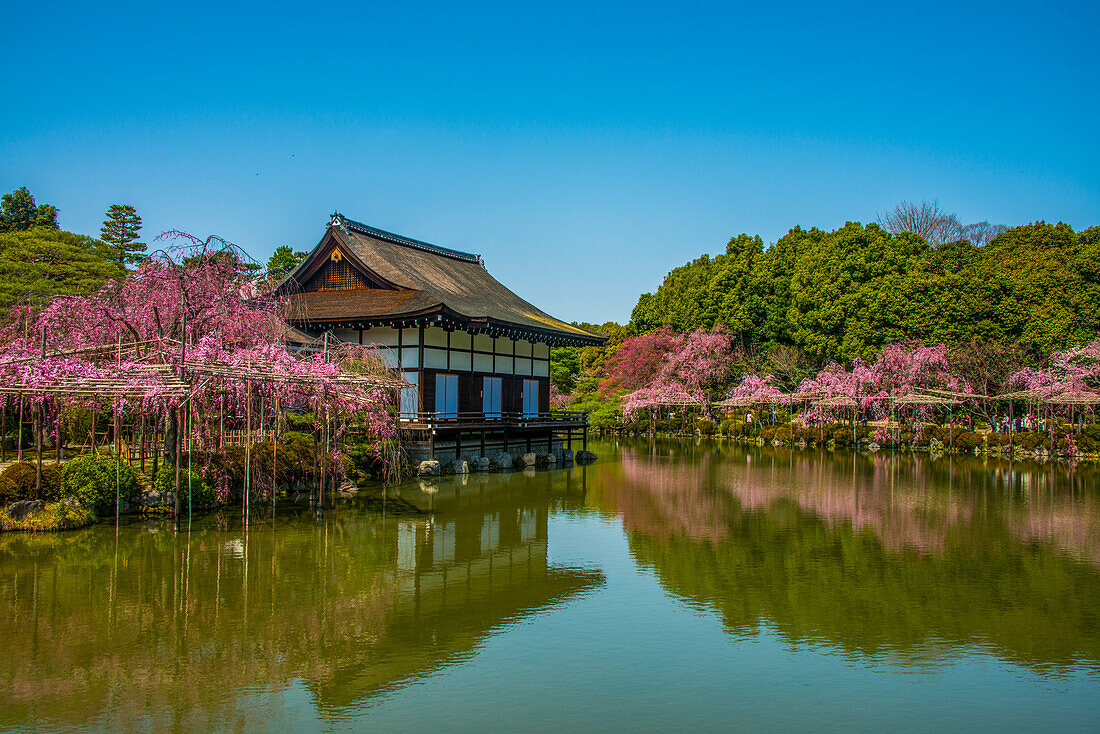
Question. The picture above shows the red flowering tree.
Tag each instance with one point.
(685, 375)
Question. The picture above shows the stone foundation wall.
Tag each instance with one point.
(544, 454)
(471, 452)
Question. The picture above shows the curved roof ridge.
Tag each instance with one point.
(354, 226)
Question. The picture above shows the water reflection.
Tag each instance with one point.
(145, 628)
(899, 558)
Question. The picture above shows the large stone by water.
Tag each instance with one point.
(22, 508)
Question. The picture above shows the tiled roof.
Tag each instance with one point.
(424, 277)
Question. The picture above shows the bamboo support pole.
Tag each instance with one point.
(247, 450)
(274, 458)
(118, 460)
(38, 433)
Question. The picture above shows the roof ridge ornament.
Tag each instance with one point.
(338, 220)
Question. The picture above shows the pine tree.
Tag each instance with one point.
(120, 234)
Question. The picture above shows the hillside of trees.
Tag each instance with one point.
(846, 293)
(994, 300)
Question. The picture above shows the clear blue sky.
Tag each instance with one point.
(583, 149)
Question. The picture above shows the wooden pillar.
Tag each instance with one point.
(38, 454)
(585, 439)
(179, 460)
(1011, 424)
(483, 442)
(19, 432)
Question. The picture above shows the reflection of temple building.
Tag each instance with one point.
(476, 564)
(159, 630)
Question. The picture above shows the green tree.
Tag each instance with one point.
(853, 292)
(565, 365)
(19, 213)
(282, 261)
(120, 233)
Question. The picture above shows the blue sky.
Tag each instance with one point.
(583, 149)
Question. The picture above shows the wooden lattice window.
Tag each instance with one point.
(336, 275)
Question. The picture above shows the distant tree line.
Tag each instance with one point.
(917, 274)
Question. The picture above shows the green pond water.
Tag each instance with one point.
(669, 586)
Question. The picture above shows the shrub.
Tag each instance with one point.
(90, 479)
(783, 434)
(22, 480)
(842, 436)
(202, 494)
(7, 491)
(299, 422)
(294, 456)
(706, 427)
(968, 441)
(223, 471)
(1030, 440)
(767, 434)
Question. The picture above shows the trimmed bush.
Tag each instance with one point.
(90, 479)
(22, 479)
(1030, 440)
(968, 441)
(706, 427)
(202, 494)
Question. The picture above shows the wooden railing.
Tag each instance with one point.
(551, 419)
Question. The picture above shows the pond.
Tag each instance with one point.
(670, 585)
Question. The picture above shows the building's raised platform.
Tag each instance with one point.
(472, 435)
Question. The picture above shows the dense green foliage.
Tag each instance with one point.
(282, 261)
(18, 212)
(17, 482)
(90, 479)
(202, 495)
(844, 294)
(38, 264)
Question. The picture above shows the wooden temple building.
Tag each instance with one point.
(476, 355)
